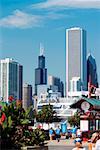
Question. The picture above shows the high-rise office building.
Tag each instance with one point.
(92, 71)
(27, 96)
(41, 71)
(20, 82)
(76, 64)
(11, 79)
(56, 84)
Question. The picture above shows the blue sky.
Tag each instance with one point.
(26, 23)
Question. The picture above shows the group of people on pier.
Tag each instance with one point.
(93, 143)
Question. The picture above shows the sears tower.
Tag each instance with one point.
(41, 71)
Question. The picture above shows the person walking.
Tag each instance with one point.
(74, 130)
(51, 133)
(92, 144)
(79, 133)
(97, 146)
(78, 144)
(58, 134)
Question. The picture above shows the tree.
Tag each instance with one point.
(47, 114)
(74, 120)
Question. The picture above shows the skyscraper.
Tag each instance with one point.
(56, 84)
(27, 96)
(92, 71)
(41, 71)
(11, 79)
(20, 81)
(76, 57)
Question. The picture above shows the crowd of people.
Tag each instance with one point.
(93, 143)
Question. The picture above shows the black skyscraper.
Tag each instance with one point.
(92, 71)
(41, 71)
(20, 82)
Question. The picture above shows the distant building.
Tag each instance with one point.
(27, 96)
(56, 85)
(75, 84)
(42, 92)
(76, 65)
(11, 79)
(41, 71)
(92, 71)
(20, 82)
(62, 89)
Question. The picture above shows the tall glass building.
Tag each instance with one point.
(92, 71)
(11, 79)
(76, 64)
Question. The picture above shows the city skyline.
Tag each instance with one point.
(25, 24)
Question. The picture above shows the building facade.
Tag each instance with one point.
(76, 64)
(75, 84)
(56, 84)
(11, 79)
(27, 96)
(41, 71)
(92, 71)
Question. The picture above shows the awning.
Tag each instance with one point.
(94, 102)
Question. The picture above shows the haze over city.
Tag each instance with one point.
(24, 24)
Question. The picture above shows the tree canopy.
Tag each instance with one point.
(74, 120)
(47, 114)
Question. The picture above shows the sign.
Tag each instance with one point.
(84, 125)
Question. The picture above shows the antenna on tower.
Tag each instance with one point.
(41, 49)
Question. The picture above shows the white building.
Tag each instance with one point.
(11, 79)
(62, 108)
(42, 92)
(76, 65)
(75, 84)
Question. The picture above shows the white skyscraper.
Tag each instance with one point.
(76, 57)
(11, 79)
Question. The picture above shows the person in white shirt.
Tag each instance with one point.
(79, 133)
(97, 146)
(78, 144)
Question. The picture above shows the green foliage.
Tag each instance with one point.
(39, 136)
(47, 114)
(74, 120)
(12, 116)
(25, 137)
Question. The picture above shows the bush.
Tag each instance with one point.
(28, 137)
(14, 121)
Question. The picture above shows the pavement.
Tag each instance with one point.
(64, 142)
